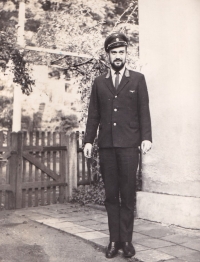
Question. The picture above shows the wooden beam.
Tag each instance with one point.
(56, 51)
(43, 148)
(41, 166)
(41, 184)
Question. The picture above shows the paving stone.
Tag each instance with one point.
(37, 216)
(175, 260)
(73, 230)
(152, 256)
(148, 226)
(178, 238)
(99, 227)
(139, 247)
(103, 242)
(86, 222)
(153, 243)
(193, 244)
(137, 236)
(177, 251)
(138, 221)
(58, 224)
(49, 220)
(78, 218)
(42, 211)
(97, 217)
(102, 220)
(158, 233)
(192, 258)
(59, 215)
(106, 232)
(91, 235)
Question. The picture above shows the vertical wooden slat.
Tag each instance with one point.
(54, 169)
(1, 203)
(62, 168)
(78, 158)
(42, 174)
(24, 198)
(89, 174)
(36, 169)
(84, 177)
(24, 161)
(6, 200)
(7, 176)
(72, 162)
(7, 141)
(30, 173)
(19, 170)
(24, 172)
(1, 166)
(13, 169)
(49, 166)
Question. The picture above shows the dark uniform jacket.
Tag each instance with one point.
(122, 115)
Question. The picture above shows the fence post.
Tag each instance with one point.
(15, 168)
(63, 191)
(72, 163)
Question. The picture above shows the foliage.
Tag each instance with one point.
(94, 193)
(6, 112)
(10, 51)
(77, 27)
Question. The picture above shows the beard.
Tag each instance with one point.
(117, 64)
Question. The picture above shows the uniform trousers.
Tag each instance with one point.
(118, 168)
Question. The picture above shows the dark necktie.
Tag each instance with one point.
(117, 79)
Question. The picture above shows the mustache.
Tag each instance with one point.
(117, 60)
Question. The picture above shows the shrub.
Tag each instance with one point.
(91, 194)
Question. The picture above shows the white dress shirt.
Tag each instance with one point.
(121, 72)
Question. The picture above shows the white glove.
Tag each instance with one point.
(145, 146)
(88, 150)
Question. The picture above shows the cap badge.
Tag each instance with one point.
(117, 39)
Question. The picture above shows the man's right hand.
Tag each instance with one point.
(88, 150)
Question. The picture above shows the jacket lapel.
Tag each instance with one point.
(124, 81)
(109, 82)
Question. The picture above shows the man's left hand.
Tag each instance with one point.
(145, 146)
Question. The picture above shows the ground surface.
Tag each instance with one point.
(27, 241)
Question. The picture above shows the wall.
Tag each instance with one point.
(169, 54)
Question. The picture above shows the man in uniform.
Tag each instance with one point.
(119, 106)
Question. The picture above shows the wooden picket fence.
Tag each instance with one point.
(34, 169)
(84, 166)
(42, 168)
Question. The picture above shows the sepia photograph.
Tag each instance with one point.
(99, 106)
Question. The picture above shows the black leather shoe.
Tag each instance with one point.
(112, 249)
(128, 249)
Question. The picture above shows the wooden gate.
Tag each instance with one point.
(84, 165)
(34, 169)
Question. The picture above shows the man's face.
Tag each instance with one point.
(117, 57)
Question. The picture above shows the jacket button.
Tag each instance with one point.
(115, 96)
(115, 109)
(114, 124)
